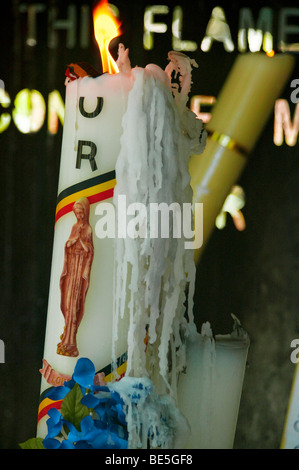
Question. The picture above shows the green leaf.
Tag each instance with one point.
(71, 408)
(33, 443)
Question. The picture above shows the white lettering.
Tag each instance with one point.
(284, 29)
(164, 209)
(122, 216)
(255, 37)
(137, 227)
(218, 30)
(160, 222)
(195, 105)
(105, 226)
(150, 27)
(178, 44)
(197, 233)
(294, 98)
(283, 124)
(118, 460)
(294, 354)
(69, 25)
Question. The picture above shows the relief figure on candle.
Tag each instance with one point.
(74, 280)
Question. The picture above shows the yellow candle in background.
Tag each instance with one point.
(238, 118)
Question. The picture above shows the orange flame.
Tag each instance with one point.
(106, 28)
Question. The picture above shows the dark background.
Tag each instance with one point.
(253, 274)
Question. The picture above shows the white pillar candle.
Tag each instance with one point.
(131, 119)
(94, 109)
(103, 117)
(209, 392)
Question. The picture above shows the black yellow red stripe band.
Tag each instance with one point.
(95, 189)
(46, 403)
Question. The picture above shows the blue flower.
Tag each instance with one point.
(108, 405)
(109, 428)
(51, 443)
(95, 434)
(84, 373)
(59, 393)
(54, 423)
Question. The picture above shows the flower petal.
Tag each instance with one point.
(50, 443)
(55, 415)
(84, 373)
(57, 393)
(66, 445)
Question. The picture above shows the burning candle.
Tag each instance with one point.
(238, 118)
(125, 303)
(209, 393)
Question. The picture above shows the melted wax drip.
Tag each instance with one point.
(153, 276)
(152, 168)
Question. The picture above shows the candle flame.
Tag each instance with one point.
(106, 28)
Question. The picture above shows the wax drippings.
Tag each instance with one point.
(153, 421)
(153, 275)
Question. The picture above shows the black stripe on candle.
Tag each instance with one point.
(86, 184)
(119, 362)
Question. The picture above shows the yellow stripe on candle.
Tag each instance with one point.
(99, 188)
(46, 405)
(120, 372)
(227, 142)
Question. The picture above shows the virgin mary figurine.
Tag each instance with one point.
(75, 277)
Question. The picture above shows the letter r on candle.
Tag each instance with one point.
(86, 156)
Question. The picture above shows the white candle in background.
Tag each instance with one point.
(209, 392)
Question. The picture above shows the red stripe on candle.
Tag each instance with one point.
(92, 200)
(101, 196)
(64, 210)
(44, 411)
